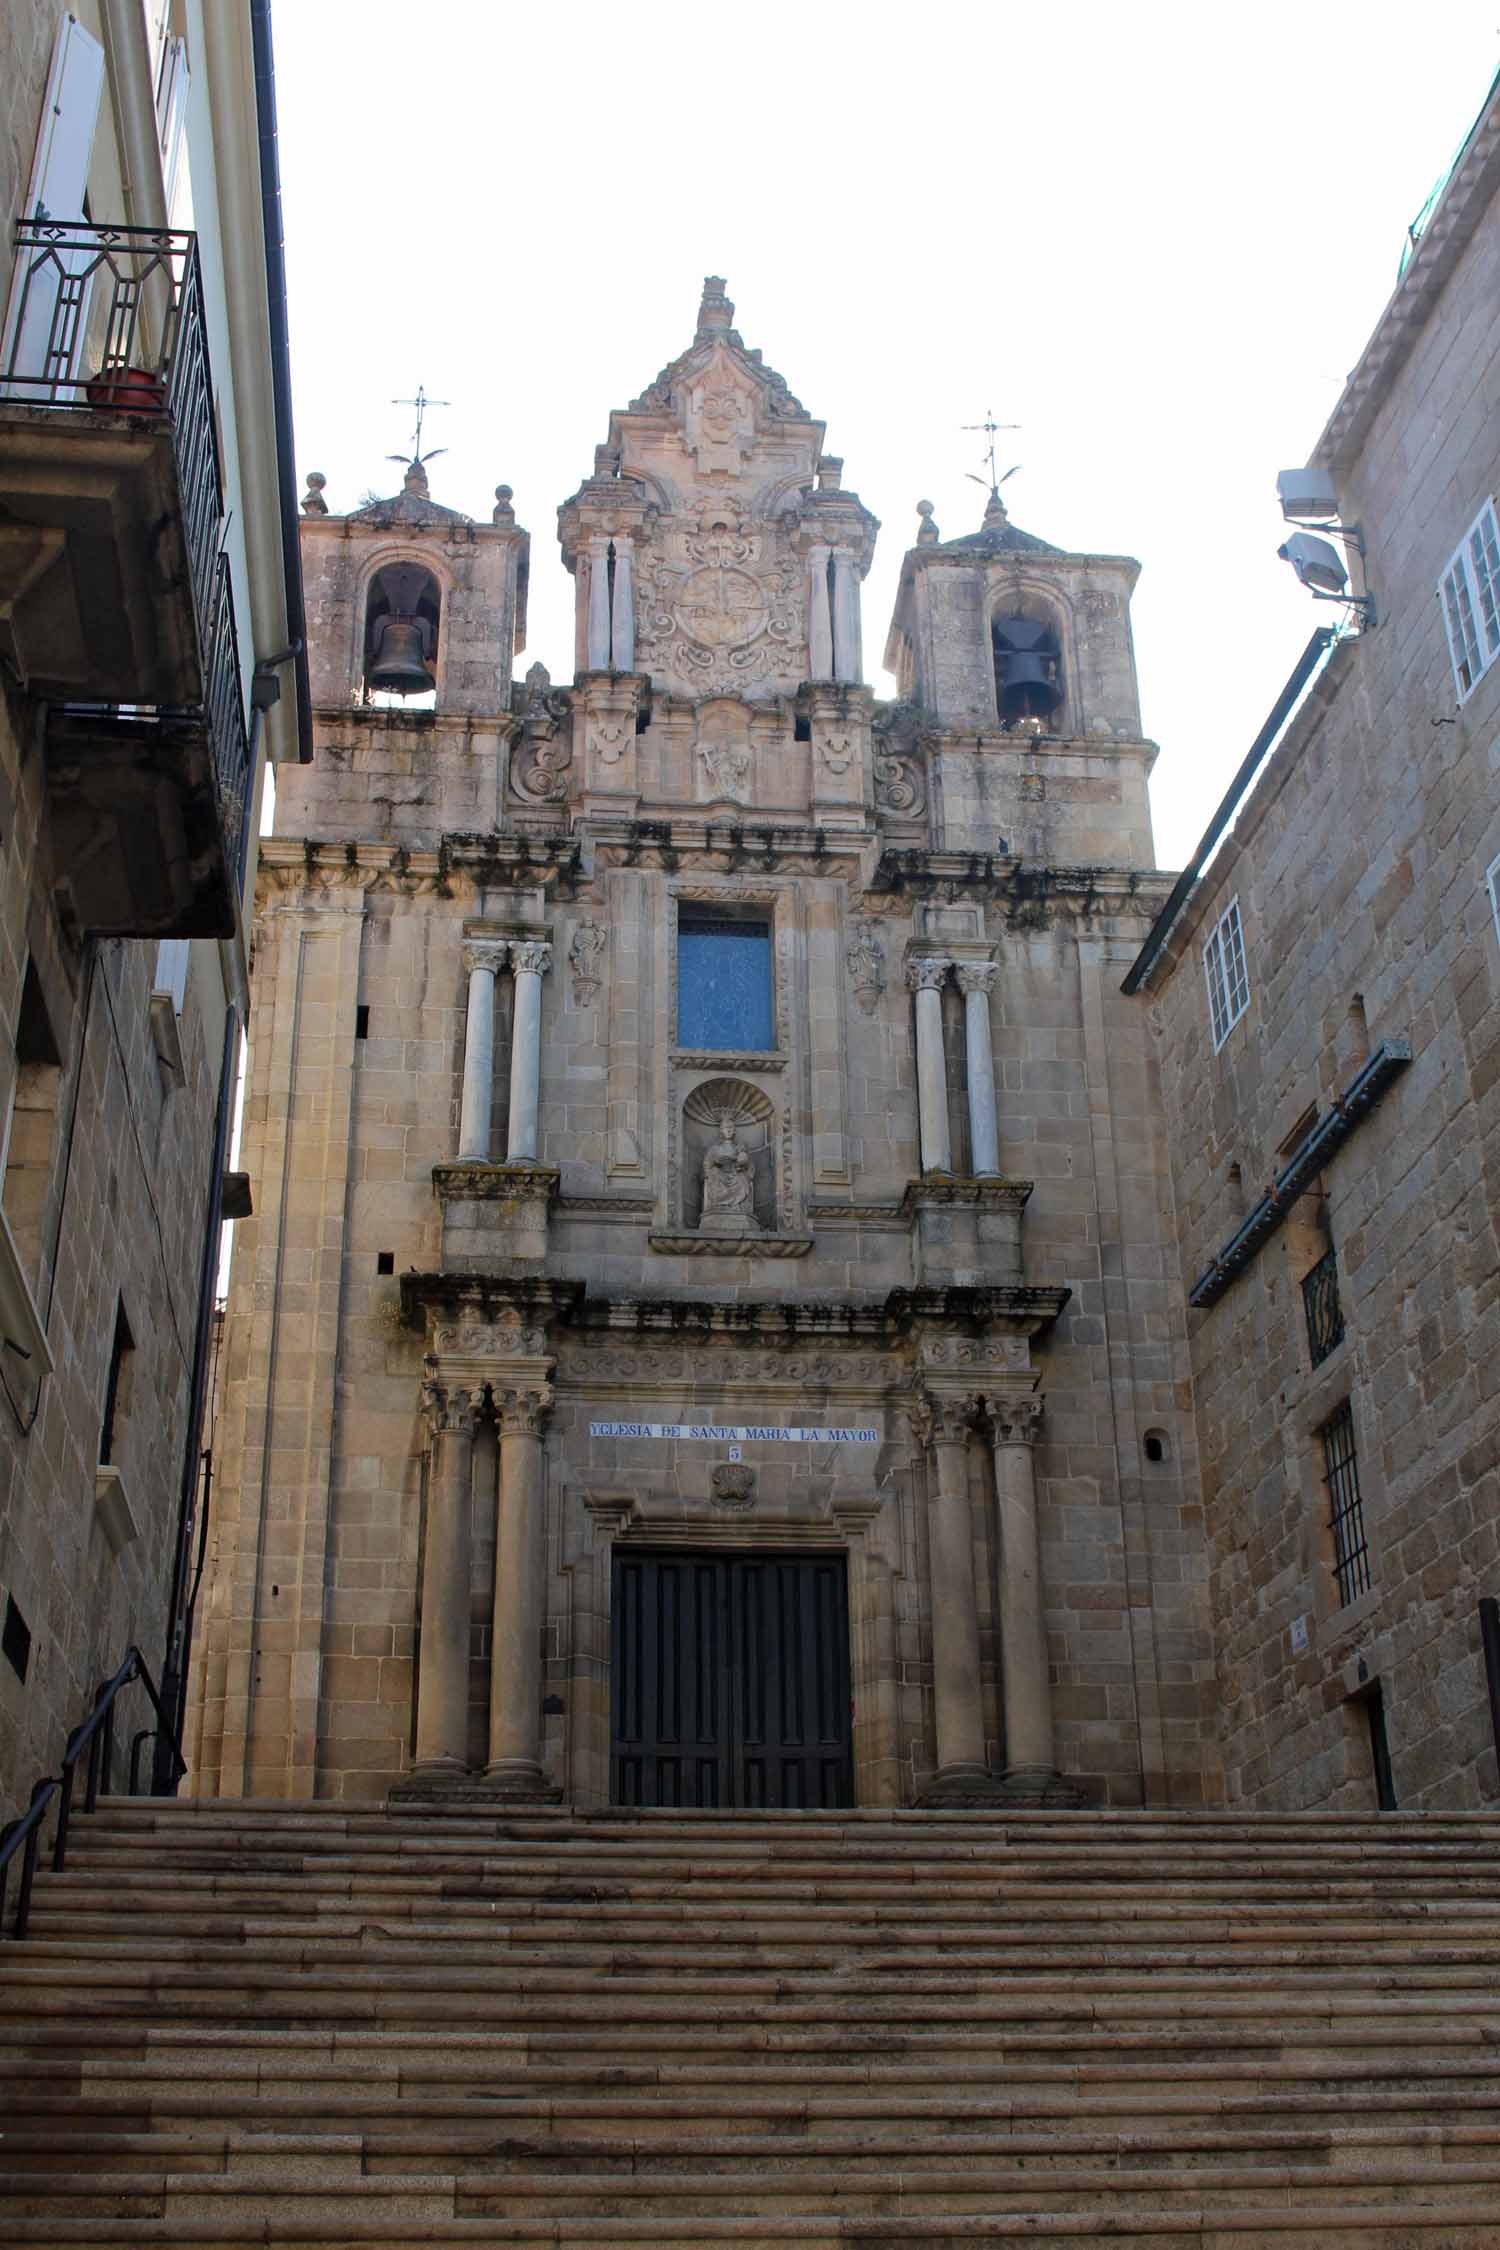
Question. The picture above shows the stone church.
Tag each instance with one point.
(710, 1333)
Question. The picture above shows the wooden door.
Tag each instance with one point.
(730, 1681)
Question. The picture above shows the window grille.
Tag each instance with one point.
(1224, 967)
(1346, 1511)
(1320, 1303)
(1469, 594)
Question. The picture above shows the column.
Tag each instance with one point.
(443, 1648)
(622, 617)
(516, 1642)
(819, 624)
(598, 640)
(484, 958)
(845, 616)
(974, 982)
(1029, 1754)
(529, 959)
(942, 1425)
(925, 977)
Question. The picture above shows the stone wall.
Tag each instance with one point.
(1359, 867)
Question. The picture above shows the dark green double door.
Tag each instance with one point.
(730, 1681)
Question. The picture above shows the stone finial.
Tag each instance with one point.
(928, 534)
(995, 517)
(504, 512)
(716, 313)
(313, 503)
(415, 479)
(830, 472)
(606, 460)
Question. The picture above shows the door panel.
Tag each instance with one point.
(730, 1681)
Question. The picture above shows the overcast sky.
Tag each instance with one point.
(1155, 236)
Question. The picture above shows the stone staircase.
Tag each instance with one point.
(256, 2023)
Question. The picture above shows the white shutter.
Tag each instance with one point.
(1484, 559)
(172, 969)
(171, 119)
(37, 340)
(1458, 616)
(65, 142)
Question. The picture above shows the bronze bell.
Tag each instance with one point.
(399, 665)
(1029, 686)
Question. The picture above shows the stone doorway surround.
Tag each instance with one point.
(611, 1517)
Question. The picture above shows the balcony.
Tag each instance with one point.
(116, 607)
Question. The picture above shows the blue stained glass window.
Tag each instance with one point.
(724, 983)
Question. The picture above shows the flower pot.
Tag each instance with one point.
(127, 390)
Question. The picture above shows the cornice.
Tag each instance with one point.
(483, 1297)
(1029, 888)
(488, 862)
(1474, 180)
(727, 848)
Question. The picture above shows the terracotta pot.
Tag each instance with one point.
(127, 390)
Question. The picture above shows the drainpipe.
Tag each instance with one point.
(179, 1615)
(134, 99)
(281, 363)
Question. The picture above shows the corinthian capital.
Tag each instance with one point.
(976, 976)
(940, 1418)
(522, 1412)
(449, 1410)
(1015, 1421)
(927, 974)
(485, 953)
(530, 957)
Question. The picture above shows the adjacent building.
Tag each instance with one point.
(1325, 1003)
(709, 1331)
(149, 631)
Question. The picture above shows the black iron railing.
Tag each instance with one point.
(1320, 1303)
(22, 1838)
(111, 320)
(224, 703)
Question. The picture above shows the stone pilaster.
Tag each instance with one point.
(516, 1642)
(530, 960)
(450, 1413)
(925, 976)
(484, 958)
(941, 1425)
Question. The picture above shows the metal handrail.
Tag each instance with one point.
(96, 1735)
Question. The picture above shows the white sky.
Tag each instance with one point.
(1156, 236)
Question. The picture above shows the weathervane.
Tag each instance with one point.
(421, 402)
(991, 427)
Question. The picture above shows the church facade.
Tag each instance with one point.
(710, 1330)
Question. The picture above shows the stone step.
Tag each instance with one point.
(245, 2155)
(295, 2190)
(1355, 2225)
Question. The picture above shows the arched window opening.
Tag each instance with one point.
(1028, 670)
(401, 627)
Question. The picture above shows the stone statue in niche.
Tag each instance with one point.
(724, 750)
(728, 1186)
(584, 958)
(865, 960)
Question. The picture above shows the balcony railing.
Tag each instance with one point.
(1320, 1302)
(229, 738)
(111, 320)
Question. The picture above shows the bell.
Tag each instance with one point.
(1028, 675)
(399, 665)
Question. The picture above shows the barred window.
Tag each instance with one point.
(1492, 878)
(1224, 967)
(1469, 594)
(1346, 1509)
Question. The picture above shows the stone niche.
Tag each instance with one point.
(724, 1119)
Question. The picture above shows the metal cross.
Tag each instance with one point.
(421, 402)
(991, 428)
